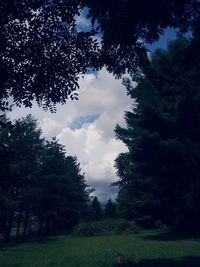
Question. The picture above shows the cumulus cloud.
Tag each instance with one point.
(86, 127)
(50, 127)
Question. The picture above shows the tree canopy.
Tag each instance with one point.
(127, 25)
(42, 53)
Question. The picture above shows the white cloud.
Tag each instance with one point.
(50, 127)
(94, 142)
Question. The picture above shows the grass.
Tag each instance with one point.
(147, 249)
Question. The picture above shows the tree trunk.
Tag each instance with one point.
(9, 227)
(19, 224)
(40, 227)
(26, 219)
(48, 225)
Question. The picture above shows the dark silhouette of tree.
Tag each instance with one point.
(127, 25)
(42, 53)
(63, 190)
(159, 176)
(39, 184)
(110, 209)
(5, 177)
(21, 150)
(95, 210)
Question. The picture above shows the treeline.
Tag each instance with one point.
(41, 189)
(96, 211)
(159, 176)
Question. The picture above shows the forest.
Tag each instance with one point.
(43, 191)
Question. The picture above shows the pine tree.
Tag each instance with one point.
(162, 135)
(110, 209)
(95, 210)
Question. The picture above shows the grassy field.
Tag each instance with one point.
(146, 249)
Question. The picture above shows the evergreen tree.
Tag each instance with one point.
(23, 147)
(62, 190)
(6, 202)
(95, 210)
(110, 209)
(38, 183)
(162, 135)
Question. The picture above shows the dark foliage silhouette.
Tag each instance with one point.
(159, 176)
(42, 53)
(41, 189)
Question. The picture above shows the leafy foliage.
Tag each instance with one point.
(127, 25)
(106, 226)
(42, 53)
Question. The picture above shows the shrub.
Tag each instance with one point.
(84, 229)
(109, 226)
(122, 225)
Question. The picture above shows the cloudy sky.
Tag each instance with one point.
(86, 127)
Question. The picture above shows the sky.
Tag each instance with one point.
(86, 127)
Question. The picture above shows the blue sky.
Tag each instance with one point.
(78, 122)
(169, 34)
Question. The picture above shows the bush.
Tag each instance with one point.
(109, 226)
(83, 229)
(125, 226)
(87, 229)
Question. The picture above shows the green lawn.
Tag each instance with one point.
(142, 250)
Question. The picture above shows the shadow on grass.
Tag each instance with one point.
(170, 236)
(10, 265)
(184, 262)
(39, 240)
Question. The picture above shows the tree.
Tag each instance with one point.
(42, 53)
(110, 209)
(39, 184)
(118, 19)
(5, 156)
(95, 210)
(62, 190)
(21, 154)
(162, 136)
(127, 25)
